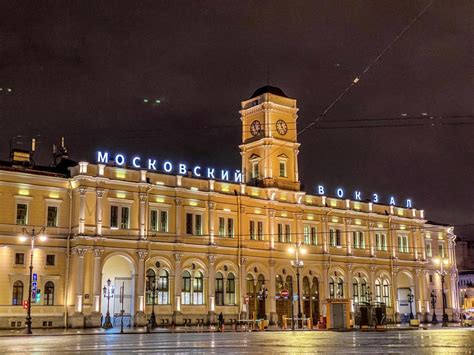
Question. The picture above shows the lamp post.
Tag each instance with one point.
(297, 264)
(109, 291)
(442, 272)
(152, 292)
(262, 295)
(24, 237)
(434, 320)
(410, 300)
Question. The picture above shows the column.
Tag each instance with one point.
(80, 252)
(177, 284)
(271, 227)
(396, 308)
(299, 227)
(426, 293)
(372, 246)
(413, 244)
(393, 239)
(211, 288)
(324, 231)
(348, 235)
(372, 281)
(98, 211)
(271, 292)
(418, 293)
(142, 255)
(422, 244)
(325, 288)
(179, 212)
(142, 215)
(349, 289)
(296, 151)
(212, 212)
(82, 209)
(243, 288)
(96, 285)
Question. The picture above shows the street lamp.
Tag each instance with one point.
(109, 291)
(410, 300)
(152, 291)
(442, 272)
(434, 320)
(298, 264)
(23, 238)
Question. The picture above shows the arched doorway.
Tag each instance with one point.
(315, 300)
(405, 294)
(251, 295)
(120, 270)
(283, 304)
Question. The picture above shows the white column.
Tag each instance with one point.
(324, 231)
(371, 233)
(325, 288)
(418, 293)
(296, 151)
(348, 235)
(372, 281)
(243, 287)
(212, 211)
(97, 286)
(271, 227)
(98, 211)
(348, 282)
(142, 215)
(179, 212)
(393, 239)
(79, 278)
(271, 291)
(212, 285)
(299, 227)
(82, 209)
(177, 282)
(423, 244)
(140, 293)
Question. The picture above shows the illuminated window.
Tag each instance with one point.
(49, 293)
(163, 221)
(314, 236)
(221, 226)
(219, 294)
(252, 230)
(230, 227)
(226, 227)
(254, 170)
(283, 169)
(230, 290)
(381, 241)
(280, 233)
(441, 253)
(403, 243)
(17, 295)
(260, 230)
(186, 288)
(306, 234)
(119, 214)
(288, 233)
(193, 224)
(150, 284)
(358, 240)
(198, 288)
(22, 213)
(163, 287)
(52, 216)
(429, 251)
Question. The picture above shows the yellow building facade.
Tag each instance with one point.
(190, 247)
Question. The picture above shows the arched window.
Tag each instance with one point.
(363, 291)
(150, 284)
(340, 288)
(315, 288)
(219, 289)
(289, 284)
(17, 295)
(49, 294)
(378, 291)
(331, 288)
(230, 291)
(250, 285)
(355, 290)
(186, 288)
(198, 288)
(306, 288)
(386, 293)
(260, 282)
(278, 284)
(163, 287)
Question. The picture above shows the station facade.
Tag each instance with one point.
(190, 247)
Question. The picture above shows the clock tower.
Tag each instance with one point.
(269, 146)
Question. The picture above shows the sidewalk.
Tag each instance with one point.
(193, 329)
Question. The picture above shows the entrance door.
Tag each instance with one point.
(126, 282)
(337, 315)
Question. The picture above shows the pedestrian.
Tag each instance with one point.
(221, 322)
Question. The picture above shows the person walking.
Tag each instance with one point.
(221, 322)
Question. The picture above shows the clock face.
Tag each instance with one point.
(281, 127)
(255, 127)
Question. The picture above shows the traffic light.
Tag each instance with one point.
(38, 296)
(25, 304)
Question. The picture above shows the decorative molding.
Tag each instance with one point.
(142, 254)
(271, 213)
(211, 205)
(178, 201)
(82, 190)
(243, 260)
(212, 259)
(98, 252)
(143, 197)
(177, 257)
(80, 251)
(100, 193)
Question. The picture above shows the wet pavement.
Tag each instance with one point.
(433, 341)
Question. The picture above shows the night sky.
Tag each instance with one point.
(82, 69)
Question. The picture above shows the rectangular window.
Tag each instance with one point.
(288, 233)
(154, 220)
(52, 218)
(429, 251)
(22, 213)
(260, 230)
(282, 169)
(403, 243)
(230, 227)
(19, 258)
(164, 221)
(252, 230)
(114, 212)
(198, 224)
(441, 250)
(332, 238)
(338, 237)
(314, 236)
(431, 278)
(355, 240)
(280, 233)
(255, 170)
(125, 218)
(380, 241)
(378, 244)
(50, 259)
(221, 227)
(358, 240)
(306, 235)
(189, 223)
